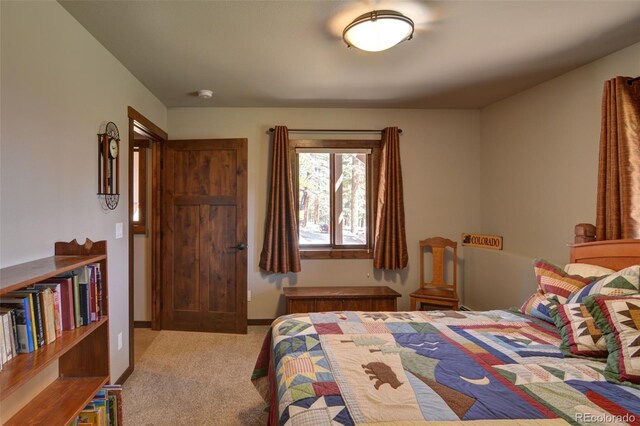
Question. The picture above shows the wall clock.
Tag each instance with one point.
(109, 166)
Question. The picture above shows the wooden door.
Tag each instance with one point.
(204, 235)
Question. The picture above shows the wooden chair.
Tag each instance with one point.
(437, 293)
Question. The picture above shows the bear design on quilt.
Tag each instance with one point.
(382, 373)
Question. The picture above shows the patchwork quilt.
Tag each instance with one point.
(430, 367)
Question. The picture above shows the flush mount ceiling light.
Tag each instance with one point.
(378, 30)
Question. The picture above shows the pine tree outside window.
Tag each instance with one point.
(335, 185)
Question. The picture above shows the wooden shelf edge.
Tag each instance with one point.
(60, 402)
(20, 369)
(22, 275)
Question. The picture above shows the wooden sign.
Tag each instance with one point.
(485, 241)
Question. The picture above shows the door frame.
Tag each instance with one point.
(157, 136)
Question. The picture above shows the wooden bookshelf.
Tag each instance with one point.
(26, 366)
(82, 353)
(23, 275)
(60, 402)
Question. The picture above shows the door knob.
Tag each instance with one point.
(239, 247)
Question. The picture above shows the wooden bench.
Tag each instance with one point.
(353, 298)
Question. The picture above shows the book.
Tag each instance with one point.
(96, 413)
(91, 297)
(112, 410)
(67, 312)
(84, 302)
(94, 308)
(93, 292)
(114, 406)
(3, 352)
(85, 278)
(57, 314)
(100, 404)
(14, 330)
(48, 315)
(76, 300)
(23, 321)
(75, 279)
(90, 416)
(36, 318)
(37, 312)
(99, 304)
(7, 334)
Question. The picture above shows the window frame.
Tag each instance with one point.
(141, 147)
(339, 251)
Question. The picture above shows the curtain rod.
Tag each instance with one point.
(271, 130)
(631, 80)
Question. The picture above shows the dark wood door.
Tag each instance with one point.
(204, 235)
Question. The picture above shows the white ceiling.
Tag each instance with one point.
(464, 54)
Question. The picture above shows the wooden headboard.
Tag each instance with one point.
(612, 254)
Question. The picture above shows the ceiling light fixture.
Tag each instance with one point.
(205, 94)
(378, 30)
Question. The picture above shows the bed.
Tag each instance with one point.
(428, 367)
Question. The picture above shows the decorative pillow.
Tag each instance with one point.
(622, 283)
(619, 320)
(586, 270)
(552, 279)
(580, 335)
(539, 305)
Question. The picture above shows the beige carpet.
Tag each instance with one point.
(142, 339)
(186, 378)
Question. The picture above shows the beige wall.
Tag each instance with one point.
(539, 160)
(440, 159)
(142, 277)
(58, 86)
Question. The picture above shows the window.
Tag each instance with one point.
(139, 214)
(334, 182)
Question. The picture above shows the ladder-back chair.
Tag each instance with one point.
(437, 293)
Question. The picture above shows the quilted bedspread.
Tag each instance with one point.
(414, 368)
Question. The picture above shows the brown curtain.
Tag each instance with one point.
(280, 248)
(618, 208)
(390, 241)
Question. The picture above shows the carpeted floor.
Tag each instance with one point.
(186, 378)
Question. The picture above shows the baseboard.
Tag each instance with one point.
(263, 321)
(124, 376)
(259, 321)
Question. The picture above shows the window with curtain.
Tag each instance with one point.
(335, 184)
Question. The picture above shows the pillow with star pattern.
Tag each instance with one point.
(619, 320)
(580, 335)
(554, 284)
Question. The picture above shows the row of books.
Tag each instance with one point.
(104, 410)
(37, 315)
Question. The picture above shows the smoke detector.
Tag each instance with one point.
(205, 94)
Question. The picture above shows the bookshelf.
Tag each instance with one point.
(82, 354)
